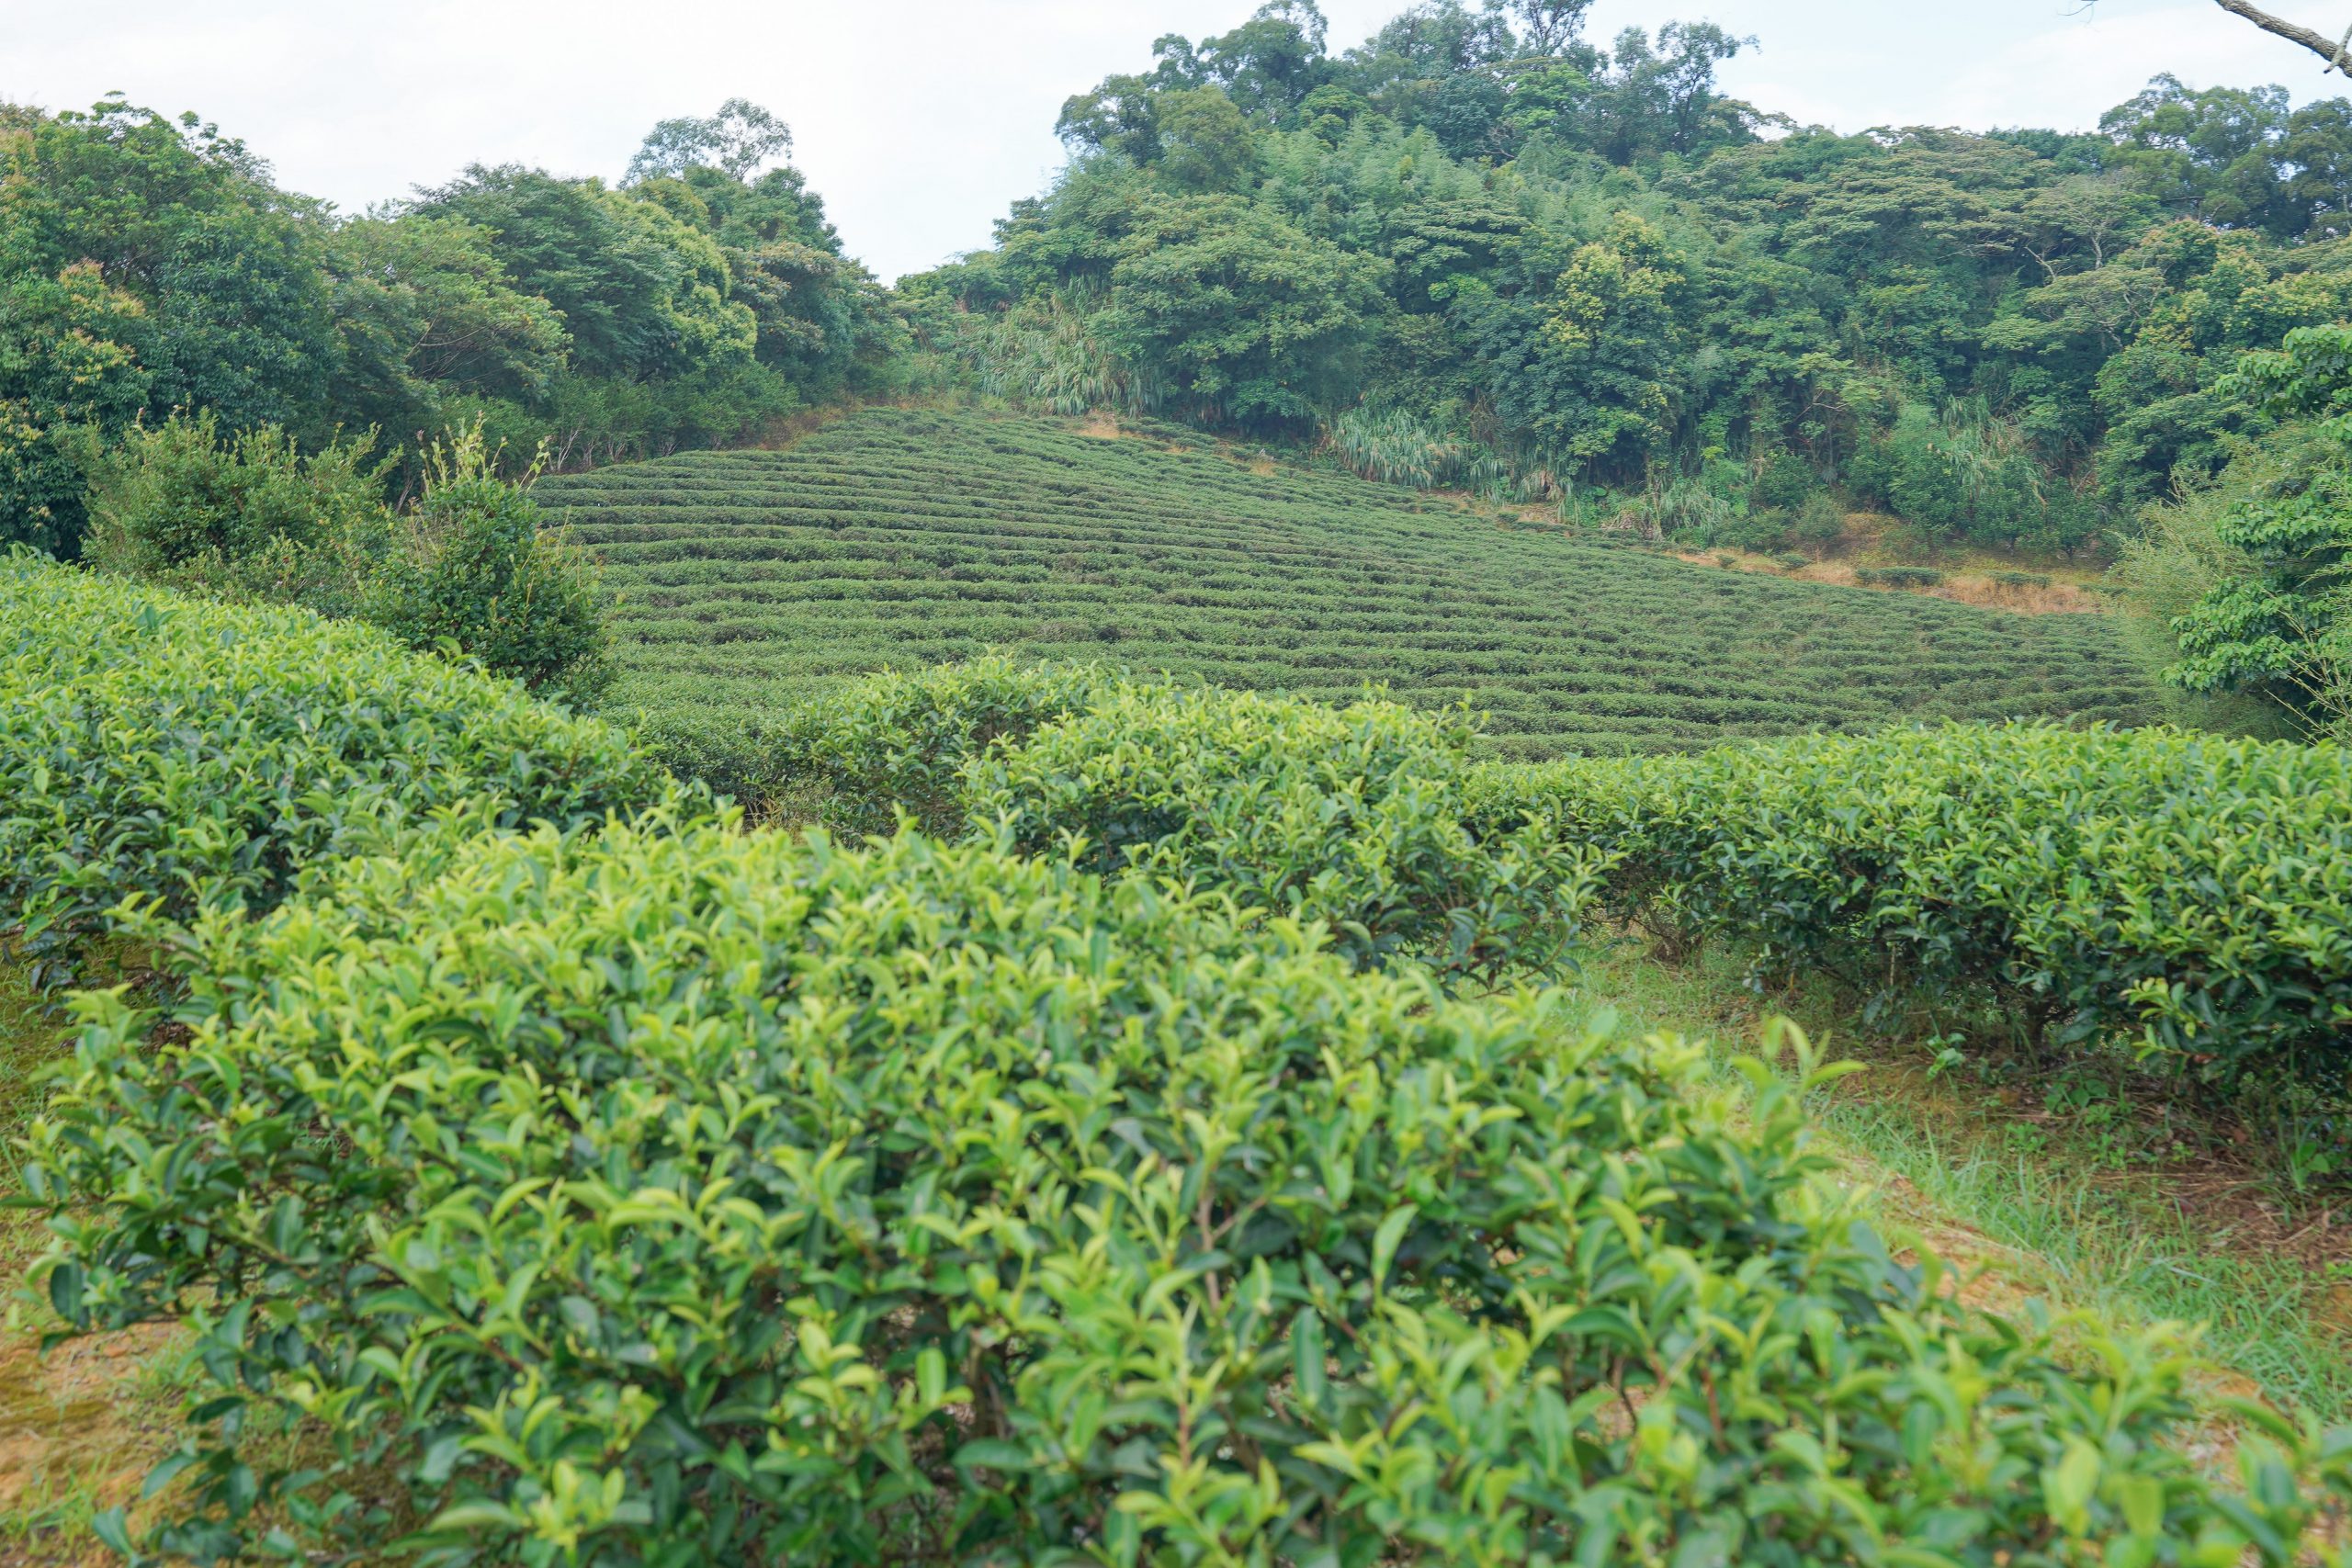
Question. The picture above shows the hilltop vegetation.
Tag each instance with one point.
(148, 265)
(750, 580)
(1479, 249)
(1480, 243)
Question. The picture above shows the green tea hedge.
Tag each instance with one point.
(182, 751)
(672, 1195)
(2192, 892)
(1350, 815)
(897, 741)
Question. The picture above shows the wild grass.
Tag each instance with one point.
(81, 1423)
(2061, 1197)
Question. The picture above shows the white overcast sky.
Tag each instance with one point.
(920, 120)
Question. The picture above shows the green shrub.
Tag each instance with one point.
(1899, 576)
(244, 517)
(1345, 815)
(1819, 521)
(1783, 482)
(171, 749)
(2022, 579)
(1788, 560)
(1342, 814)
(474, 568)
(2191, 892)
(898, 742)
(1393, 447)
(670, 1195)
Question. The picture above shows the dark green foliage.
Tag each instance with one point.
(180, 502)
(179, 752)
(148, 268)
(434, 327)
(2188, 894)
(1904, 576)
(475, 570)
(1594, 268)
(143, 267)
(634, 295)
(669, 1193)
(750, 581)
(66, 379)
(1241, 315)
(2286, 624)
(1784, 482)
(226, 301)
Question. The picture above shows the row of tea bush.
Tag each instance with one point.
(595, 1178)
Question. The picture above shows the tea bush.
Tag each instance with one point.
(897, 741)
(181, 752)
(1346, 815)
(1899, 576)
(2192, 892)
(672, 1195)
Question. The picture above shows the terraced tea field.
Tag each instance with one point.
(750, 579)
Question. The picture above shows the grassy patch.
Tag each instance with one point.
(2063, 1202)
(81, 1426)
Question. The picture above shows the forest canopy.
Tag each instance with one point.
(150, 264)
(1513, 250)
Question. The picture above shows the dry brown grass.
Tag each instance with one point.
(1980, 588)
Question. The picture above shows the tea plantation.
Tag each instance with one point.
(546, 1167)
(908, 538)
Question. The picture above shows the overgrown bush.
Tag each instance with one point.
(244, 515)
(2190, 893)
(179, 752)
(1783, 482)
(1049, 354)
(667, 1195)
(1817, 522)
(475, 567)
(1391, 445)
(1899, 576)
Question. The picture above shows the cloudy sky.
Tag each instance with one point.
(920, 120)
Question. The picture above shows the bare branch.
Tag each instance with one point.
(2338, 54)
(2331, 52)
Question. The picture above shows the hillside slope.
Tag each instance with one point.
(750, 578)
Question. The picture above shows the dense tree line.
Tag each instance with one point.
(149, 265)
(1483, 246)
